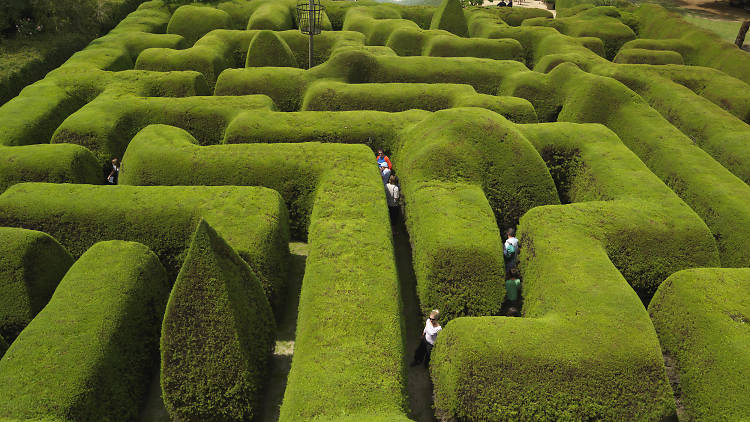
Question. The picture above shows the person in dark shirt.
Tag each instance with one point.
(114, 172)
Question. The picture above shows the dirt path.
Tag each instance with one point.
(281, 363)
(419, 382)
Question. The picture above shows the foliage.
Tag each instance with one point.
(217, 335)
(33, 264)
(163, 218)
(701, 317)
(101, 325)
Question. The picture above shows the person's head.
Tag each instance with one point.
(380, 152)
(392, 180)
(513, 311)
(511, 232)
(434, 316)
(514, 273)
(115, 161)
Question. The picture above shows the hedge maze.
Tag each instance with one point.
(614, 137)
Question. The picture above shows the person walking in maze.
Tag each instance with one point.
(429, 335)
(513, 288)
(382, 158)
(385, 172)
(114, 172)
(392, 196)
(510, 250)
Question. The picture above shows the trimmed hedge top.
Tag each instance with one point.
(32, 265)
(90, 353)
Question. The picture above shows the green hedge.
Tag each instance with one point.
(91, 352)
(217, 336)
(701, 316)
(450, 17)
(33, 264)
(375, 129)
(107, 124)
(609, 29)
(605, 361)
(193, 22)
(336, 96)
(698, 46)
(727, 92)
(714, 130)
(643, 56)
(590, 163)
(252, 220)
(275, 16)
(224, 49)
(448, 46)
(48, 163)
(458, 177)
(34, 115)
(338, 368)
(591, 353)
(706, 186)
(268, 49)
(287, 86)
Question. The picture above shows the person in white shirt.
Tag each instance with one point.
(429, 336)
(392, 196)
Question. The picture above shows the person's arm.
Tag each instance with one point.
(388, 161)
(395, 193)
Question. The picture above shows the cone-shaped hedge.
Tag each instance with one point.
(32, 264)
(450, 17)
(217, 335)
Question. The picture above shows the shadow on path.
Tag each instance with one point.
(419, 382)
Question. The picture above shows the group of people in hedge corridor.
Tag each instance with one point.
(510, 256)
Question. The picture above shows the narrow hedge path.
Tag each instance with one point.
(419, 382)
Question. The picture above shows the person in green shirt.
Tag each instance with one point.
(513, 287)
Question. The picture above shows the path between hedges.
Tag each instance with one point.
(419, 385)
(281, 362)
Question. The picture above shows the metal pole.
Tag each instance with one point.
(310, 28)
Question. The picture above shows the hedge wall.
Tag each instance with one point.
(376, 129)
(217, 336)
(605, 361)
(337, 96)
(252, 220)
(102, 324)
(106, 125)
(33, 264)
(287, 86)
(714, 130)
(590, 163)
(337, 367)
(192, 22)
(701, 316)
(48, 163)
(705, 185)
(224, 49)
(457, 174)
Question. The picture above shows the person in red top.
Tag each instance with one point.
(382, 158)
